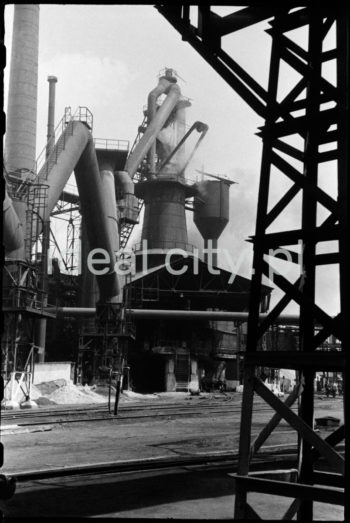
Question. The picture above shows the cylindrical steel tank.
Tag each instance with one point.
(211, 213)
(211, 208)
(164, 223)
(21, 115)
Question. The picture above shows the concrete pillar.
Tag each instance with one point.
(20, 141)
(170, 380)
(194, 382)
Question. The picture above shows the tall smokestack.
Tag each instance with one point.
(23, 86)
(51, 115)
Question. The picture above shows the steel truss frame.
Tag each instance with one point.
(324, 121)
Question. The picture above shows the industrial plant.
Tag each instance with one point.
(99, 319)
(92, 303)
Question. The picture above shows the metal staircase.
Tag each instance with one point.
(127, 228)
(52, 151)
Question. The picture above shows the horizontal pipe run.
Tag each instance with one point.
(290, 319)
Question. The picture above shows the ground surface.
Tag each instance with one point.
(180, 494)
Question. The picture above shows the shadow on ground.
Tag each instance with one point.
(110, 494)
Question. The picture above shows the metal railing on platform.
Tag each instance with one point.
(111, 145)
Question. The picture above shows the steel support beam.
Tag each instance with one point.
(317, 124)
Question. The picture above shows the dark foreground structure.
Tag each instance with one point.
(316, 111)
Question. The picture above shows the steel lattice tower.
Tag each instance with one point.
(317, 112)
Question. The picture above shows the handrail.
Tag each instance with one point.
(82, 114)
(114, 145)
(59, 129)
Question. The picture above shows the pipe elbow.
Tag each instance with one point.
(174, 88)
(201, 127)
(124, 182)
(161, 88)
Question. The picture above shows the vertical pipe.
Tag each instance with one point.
(40, 333)
(23, 86)
(89, 290)
(180, 127)
(211, 245)
(51, 115)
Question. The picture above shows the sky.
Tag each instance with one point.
(108, 57)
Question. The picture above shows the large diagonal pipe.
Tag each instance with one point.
(158, 119)
(79, 156)
(13, 236)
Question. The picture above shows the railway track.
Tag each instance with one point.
(222, 460)
(29, 418)
(57, 409)
(274, 457)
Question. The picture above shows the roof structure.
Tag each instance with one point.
(191, 283)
